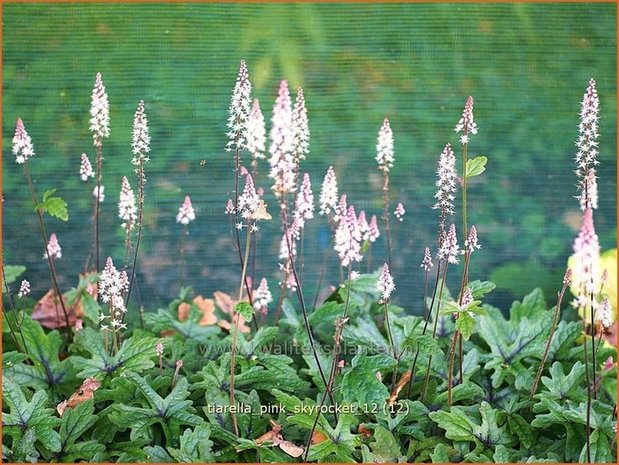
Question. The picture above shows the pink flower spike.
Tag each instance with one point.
(466, 124)
(283, 165)
(606, 319)
(399, 212)
(86, 170)
(347, 241)
(99, 113)
(140, 141)
(238, 113)
(248, 201)
(426, 263)
(373, 231)
(471, 243)
(304, 205)
(186, 213)
(262, 296)
(22, 144)
(229, 207)
(127, 207)
(384, 147)
(24, 289)
(53, 248)
(256, 133)
(448, 249)
(586, 258)
(159, 349)
(385, 284)
(300, 127)
(447, 181)
(328, 192)
(364, 227)
(467, 297)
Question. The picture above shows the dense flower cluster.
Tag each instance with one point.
(466, 124)
(53, 248)
(140, 139)
(384, 147)
(447, 181)
(22, 144)
(385, 284)
(373, 231)
(256, 133)
(426, 263)
(283, 166)
(99, 113)
(249, 199)
(300, 128)
(113, 284)
(587, 144)
(127, 208)
(399, 212)
(606, 319)
(304, 205)
(24, 289)
(471, 243)
(328, 192)
(467, 297)
(238, 113)
(86, 170)
(449, 250)
(186, 213)
(586, 261)
(262, 296)
(347, 241)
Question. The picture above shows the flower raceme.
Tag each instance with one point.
(586, 274)
(304, 205)
(471, 243)
(186, 213)
(24, 289)
(86, 170)
(384, 147)
(426, 263)
(449, 250)
(347, 242)
(399, 212)
(328, 193)
(447, 181)
(249, 199)
(283, 166)
(99, 112)
(53, 248)
(140, 139)
(22, 144)
(466, 124)
(262, 296)
(256, 133)
(127, 207)
(99, 192)
(239, 110)
(385, 284)
(588, 149)
(300, 128)
(373, 231)
(113, 284)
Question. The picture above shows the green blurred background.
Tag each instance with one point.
(527, 66)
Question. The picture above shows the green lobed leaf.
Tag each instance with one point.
(465, 324)
(12, 272)
(476, 166)
(361, 384)
(245, 310)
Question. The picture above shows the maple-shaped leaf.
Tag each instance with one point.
(29, 418)
(171, 412)
(75, 422)
(45, 370)
(135, 354)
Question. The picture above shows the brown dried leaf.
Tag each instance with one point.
(291, 449)
(398, 387)
(48, 311)
(363, 431)
(318, 437)
(226, 304)
(84, 392)
(207, 307)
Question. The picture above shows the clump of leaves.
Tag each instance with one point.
(181, 413)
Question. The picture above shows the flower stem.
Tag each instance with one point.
(386, 215)
(50, 260)
(235, 330)
(553, 327)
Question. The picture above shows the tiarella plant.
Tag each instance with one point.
(255, 377)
